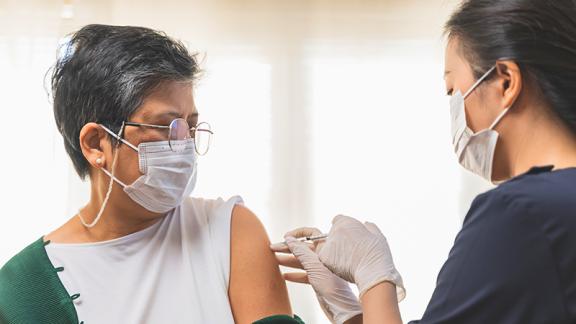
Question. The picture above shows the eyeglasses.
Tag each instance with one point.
(179, 130)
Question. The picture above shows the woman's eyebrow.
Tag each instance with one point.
(163, 115)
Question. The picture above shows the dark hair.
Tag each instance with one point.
(105, 72)
(539, 35)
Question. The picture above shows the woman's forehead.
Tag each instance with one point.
(169, 101)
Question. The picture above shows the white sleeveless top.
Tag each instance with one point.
(175, 271)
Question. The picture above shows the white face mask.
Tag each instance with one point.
(168, 177)
(475, 151)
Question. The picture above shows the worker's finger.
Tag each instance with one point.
(303, 232)
(280, 247)
(288, 261)
(299, 277)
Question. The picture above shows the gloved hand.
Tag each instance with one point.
(360, 254)
(333, 293)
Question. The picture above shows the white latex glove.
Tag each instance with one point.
(333, 293)
(360, 254)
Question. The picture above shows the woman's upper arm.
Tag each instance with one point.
(256, 288)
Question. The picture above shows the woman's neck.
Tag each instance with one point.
(121, 216)
(116, 221)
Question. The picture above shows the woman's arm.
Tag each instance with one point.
(256, 289)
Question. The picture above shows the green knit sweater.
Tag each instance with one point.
(31, 292)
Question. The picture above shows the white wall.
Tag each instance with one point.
(319, 108)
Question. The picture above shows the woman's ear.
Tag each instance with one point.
(93, 143)
(510, 81)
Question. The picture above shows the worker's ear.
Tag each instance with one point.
(510, 80)
(94, 145)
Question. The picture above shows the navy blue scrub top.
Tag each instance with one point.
(514, 260)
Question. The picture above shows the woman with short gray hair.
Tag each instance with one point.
(141, 250)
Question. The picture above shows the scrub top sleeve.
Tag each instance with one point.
(500, 269)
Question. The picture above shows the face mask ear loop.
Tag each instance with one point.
(479, 81)
(120, 139)
(499, 118)
(109, 185)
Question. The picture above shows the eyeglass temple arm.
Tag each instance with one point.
(145, 125)
(165, 127)
(201, 130)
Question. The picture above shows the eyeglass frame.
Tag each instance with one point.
(169, 127)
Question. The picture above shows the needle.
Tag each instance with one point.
(280, 245)
(312, 238)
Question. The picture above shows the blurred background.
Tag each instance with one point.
(320, 107)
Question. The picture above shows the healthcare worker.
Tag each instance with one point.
(511, 75)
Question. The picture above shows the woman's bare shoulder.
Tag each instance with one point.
(69, 232)
(256, 289)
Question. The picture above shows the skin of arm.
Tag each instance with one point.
(355, 320)
(257, 288)
(380, 305)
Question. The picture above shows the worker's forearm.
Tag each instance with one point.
(380, 305)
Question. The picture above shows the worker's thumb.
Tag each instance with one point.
(302, 252)
(373, 228)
